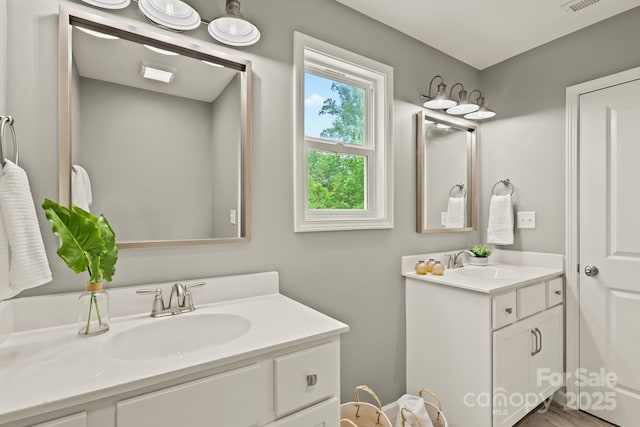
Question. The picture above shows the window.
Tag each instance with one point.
(343, 146)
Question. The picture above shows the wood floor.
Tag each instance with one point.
(558, 416)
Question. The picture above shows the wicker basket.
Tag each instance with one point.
(435, 412)
(363, 414)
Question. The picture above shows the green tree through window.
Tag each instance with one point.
(337, 181)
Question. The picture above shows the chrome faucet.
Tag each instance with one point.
(458, 264)
(183, 300)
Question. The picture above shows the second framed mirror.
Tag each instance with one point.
(447, 173)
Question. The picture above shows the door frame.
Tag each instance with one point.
(572, 226)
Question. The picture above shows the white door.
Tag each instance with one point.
(609, 141)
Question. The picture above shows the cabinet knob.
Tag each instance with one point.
(558, 292)
(509, 310)
(312, 380)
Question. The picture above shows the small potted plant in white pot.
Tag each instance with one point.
(480, 255)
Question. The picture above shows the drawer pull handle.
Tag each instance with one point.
(509, 310)
(312, 380)
(558, 292)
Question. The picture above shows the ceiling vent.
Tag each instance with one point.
(578, 5)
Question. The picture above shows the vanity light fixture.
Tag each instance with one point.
(156, 74)
(232, 28)
(464, 106)
(482, 112)
(440, 100)
(160, 51)
(98, 34)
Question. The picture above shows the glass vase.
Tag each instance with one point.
(93, 311)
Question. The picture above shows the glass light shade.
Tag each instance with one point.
(234, 31)
(463, 109)
(483, 113)
(440, 104)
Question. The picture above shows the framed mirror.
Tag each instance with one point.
(447, 173)
(155, 132)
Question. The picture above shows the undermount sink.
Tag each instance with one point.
(485, 273)
(176, 335)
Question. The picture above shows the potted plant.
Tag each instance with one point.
(87, 244)
(480, 255)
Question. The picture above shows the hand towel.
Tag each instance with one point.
(500, 229)
(416, 405)
(81, 194)
(23, 260)
(455, 212)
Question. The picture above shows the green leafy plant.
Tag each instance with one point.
(481, 251)
(87, 243)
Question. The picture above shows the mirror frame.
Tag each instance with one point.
(142, 33)
(473, 136)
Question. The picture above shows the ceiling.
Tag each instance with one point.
(119, 61)
(482, 33)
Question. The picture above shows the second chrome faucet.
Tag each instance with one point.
(180, 300)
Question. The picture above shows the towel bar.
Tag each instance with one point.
(7, 120)
(506, 182)
(461, 187)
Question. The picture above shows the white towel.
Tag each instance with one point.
(23, 260)
(500, 229)
(455, 212)
(416, 405)
(81, 195)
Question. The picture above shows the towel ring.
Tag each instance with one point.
(506, 182)
(461, 187)
(7, 120)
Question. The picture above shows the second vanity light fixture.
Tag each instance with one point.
(231, 28)
(462, 105)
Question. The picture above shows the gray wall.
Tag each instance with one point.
(226, 128)
(352, 275)
(145, 174)
(526, 141)
(446, 166)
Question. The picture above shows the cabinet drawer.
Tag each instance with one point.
(306, 377)
(554, 292)
(238, 398)
(531, 299)
(325, 414)
(504, 309)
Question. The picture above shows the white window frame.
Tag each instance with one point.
(326, 60)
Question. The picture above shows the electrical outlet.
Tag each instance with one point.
(526, 219)
(443, 218)
(232, 216)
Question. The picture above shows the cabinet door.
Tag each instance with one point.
(511, 351)
(238, 398)
(546, 366)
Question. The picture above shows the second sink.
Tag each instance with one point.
(486, 273)
(176, 335)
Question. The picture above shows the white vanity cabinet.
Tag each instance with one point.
(487, 352)
(283, 371)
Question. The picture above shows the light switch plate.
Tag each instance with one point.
(232, 216)
(526, 219)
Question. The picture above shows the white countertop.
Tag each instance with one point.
(50, 368)
(514, 269)
(525, 275)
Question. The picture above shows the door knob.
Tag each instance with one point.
(591, 270)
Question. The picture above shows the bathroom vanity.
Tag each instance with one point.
(488, 340)
(247, 356)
